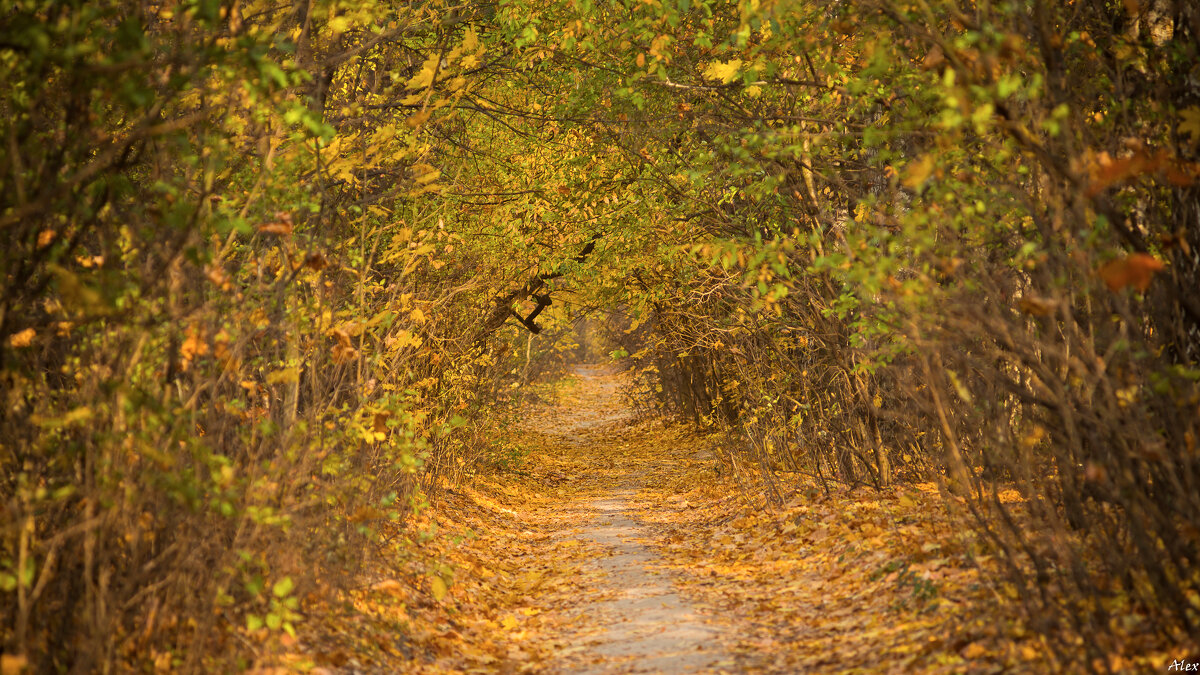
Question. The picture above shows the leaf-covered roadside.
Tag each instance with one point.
(846, 582)
(486, 579)
(473, 594)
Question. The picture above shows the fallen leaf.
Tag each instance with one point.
(438, 586)
(389, 586)
(974, 651)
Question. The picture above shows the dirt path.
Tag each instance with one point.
(645, 626)
(631, 618)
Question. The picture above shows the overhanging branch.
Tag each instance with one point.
(503, 308)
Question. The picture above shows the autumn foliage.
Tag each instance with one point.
(272, 277)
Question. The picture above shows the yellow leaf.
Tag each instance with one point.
(509, 623)
(959, 387)
(80, 414)
(21, 339)
(1191, 123)
(724, 72)
(417, 316)
(406, 339)
(429, 176)
(284, 375)
(424, 78)
(918, 172)
(439, 587)
(470, 40)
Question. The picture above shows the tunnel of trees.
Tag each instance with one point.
(275, 271)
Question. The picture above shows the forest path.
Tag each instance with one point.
(607, 543)
(629, 618)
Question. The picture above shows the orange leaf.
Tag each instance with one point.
(389, 586)
(342, 337)
(218, 277)
(1134, 270)
(194, 344)
(343, 353)
(282, 225)
(1182, 174)
(21, 338)
(13, 664)
(276, 228)
(1108, 171)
